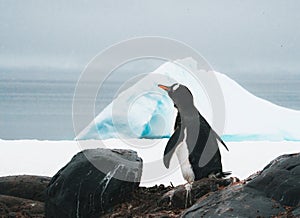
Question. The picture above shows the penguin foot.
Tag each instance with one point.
(188, 197)
(218, 175)
(213, 176)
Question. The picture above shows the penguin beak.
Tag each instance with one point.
(166, 88)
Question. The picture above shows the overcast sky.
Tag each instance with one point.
(237, 36)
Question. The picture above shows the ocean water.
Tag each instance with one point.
(40, 107)
(280, 88)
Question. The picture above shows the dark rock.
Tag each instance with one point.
(280, 180)
(25, 186)
(93, 182)
(272, 192)
(235, 201)
(20, 207)
(296, 212)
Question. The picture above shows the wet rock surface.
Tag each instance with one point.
(93, 182)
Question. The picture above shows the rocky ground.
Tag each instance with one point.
(272, 192)
(161, 201)
(22, 196)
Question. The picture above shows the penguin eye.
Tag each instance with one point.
(175, 87)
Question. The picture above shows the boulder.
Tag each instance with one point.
(280, 180)
(272, 192)
(235, 201)
(93, 182)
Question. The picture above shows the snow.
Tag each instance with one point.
(33, 157)
(145, 111)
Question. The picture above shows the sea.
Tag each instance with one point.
(37, 103)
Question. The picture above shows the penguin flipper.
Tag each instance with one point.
(205, 123)
(220, 140)
(171, 147)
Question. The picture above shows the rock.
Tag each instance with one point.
(272, 192)
(25, 186)
(280, 180)
(235, 201)
(296, 212)
(93, 182)
(20, 207)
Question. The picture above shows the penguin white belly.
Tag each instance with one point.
(182, 153)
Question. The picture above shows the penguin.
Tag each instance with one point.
(194, 141)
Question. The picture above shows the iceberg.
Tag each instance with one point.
(145, 111)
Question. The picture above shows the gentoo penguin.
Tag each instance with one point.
(194, 141)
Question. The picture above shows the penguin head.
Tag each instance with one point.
(180, 95)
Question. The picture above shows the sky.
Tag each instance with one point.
(45, 45)
(234, 36)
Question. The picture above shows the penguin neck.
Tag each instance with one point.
(191, 113)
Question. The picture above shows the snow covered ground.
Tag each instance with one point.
(35, 157)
